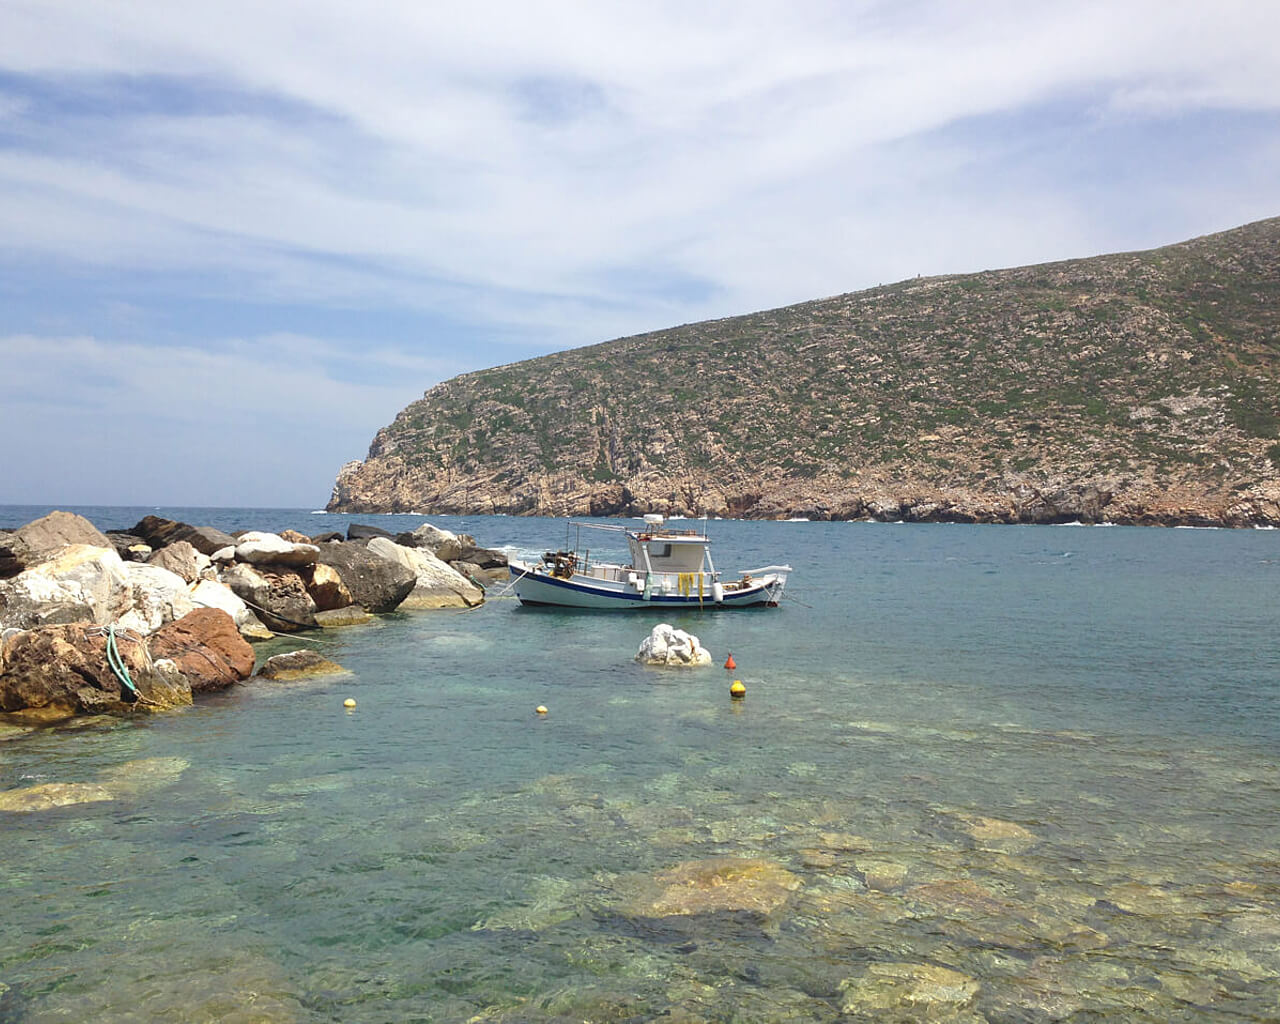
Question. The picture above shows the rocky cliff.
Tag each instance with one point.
(1130, 388)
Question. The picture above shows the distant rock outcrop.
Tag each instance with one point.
(1136, 388)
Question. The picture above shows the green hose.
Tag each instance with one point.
(116, 662)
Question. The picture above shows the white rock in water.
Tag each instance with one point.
(667, 645)
(258, 548)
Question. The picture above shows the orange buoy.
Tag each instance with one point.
(730, 664)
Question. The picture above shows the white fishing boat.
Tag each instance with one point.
(669, 568)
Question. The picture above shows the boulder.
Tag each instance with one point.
(207, 647)
(441, 543)
(181, 558)
(159, 596)
(669, 646)
(361, 531)
(294, 537)
(326, 587)
(375, 583)
(212, 594)
(224, 555)
(64, 669)
(160, 532)
(278, 596)
(299, 665)
(486, 558)
(41, 539)
(436, 584)
(130, 547)
(352, 615)
(326, 538)
(258, 548)
(81, 584)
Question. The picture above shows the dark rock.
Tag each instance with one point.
(159, 532)
(42, 538)
(361, 531)
(377, 584)
(299, 664)
(64, 668)
(326, 538)
(486, 558)
(129, 546)
(277, 595)
(207, 647)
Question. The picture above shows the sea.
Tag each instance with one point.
(980, 773)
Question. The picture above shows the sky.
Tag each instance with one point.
(237, 238)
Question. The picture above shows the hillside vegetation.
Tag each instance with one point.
(1132, 388)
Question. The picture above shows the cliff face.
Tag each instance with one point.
(1130, 388)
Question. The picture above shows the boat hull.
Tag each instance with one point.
(534, 586)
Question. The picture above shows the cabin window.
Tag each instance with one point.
(660, 551)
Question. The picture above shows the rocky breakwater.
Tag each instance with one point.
(142, 619)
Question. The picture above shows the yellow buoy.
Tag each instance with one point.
(350, 702)
(541, 709)
(737, 691)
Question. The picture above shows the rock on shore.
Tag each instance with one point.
(182, 600)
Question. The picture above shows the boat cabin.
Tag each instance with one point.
(659, 549)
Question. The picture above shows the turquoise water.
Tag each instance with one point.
(1007, 773)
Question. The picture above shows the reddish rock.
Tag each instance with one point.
(294, 537)
(64, 668)
(207, 647)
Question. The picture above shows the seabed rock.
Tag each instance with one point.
(911, 992)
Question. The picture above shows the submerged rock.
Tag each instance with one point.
(352, 615)
(48, 795)
(299, 665)
(672, 647)
(911, 992)
(718, 884)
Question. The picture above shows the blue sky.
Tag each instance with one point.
(235, 241)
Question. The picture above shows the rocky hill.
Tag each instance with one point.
(1131, 388)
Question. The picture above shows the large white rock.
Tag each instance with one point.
(258, 548)
(444, 544)
(81, 583)
(666, 645)
(159, 597)
(211, 594)
(438, 586)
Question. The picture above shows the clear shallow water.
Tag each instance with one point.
(1042, 758)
